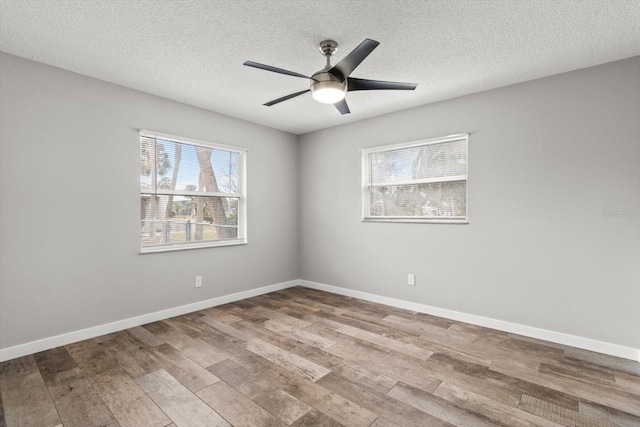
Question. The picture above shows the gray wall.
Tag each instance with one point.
(69, 205)
(547, 158)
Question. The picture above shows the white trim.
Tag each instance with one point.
(417, 143)
(188, 246)
(190, 141)
(501, 325)
(119, 325)
(423, 220)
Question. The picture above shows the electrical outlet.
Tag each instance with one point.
(198, 281)
(411, 279)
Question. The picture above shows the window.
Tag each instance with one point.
(423, 181)
(192, 193)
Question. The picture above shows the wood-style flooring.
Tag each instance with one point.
(301, 357)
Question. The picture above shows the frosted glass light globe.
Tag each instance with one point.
(328, 92)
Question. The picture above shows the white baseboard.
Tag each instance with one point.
(529, 331)
(515, 328)
(96, 331)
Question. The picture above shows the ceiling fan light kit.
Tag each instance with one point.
(330, 85)
(328, 92)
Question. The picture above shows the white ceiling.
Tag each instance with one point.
(192, 50)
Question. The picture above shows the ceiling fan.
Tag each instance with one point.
(331, 84)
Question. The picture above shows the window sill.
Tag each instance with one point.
(418, 220)
(173, 248)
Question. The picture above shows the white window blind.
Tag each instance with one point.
(423, 181)
(192, 193)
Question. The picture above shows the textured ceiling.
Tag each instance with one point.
(192, 51)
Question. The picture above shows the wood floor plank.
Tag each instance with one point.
(427, 319)
(291, 321)
(279, 403)
(236, 351)
(383, 422)
(559, 414)
(460, 350)
(189, 373)
(129, 357)
(351, 319)
(481, 331)
(144, 337)
(183, 407)
(617, 363)
(437, 407)
(187, 325)
(250, 383)
(620, 418)
(493, 410)
(258, 315)
(53, 361)
(236, 408)
(356, 373)
(198, 351)
(351, 348)
(390, 343)
(77, 401)
(227, 329)
(627, 382)
(91, 357)
(289, 361)
(451, 371)
(382, 366)
(259, 331)
(298, 334)
(317, 321)
(431, 332)
(2, 413)
(220, 315)
(316, 419)
(491, 383)
(292, 304)
(606, 396)
(330, 404)
(578, 374)
(310, 306)
(490, 380)
(25, 396)
(158, 328)
(402, 413)
(382, 326)
(129, 404)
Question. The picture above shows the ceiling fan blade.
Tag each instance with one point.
(365, 84)
(273, 69)
(342, 107)
(284, 98)
(353, 59)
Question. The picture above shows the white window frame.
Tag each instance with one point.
(367, 184)
(241, 195)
